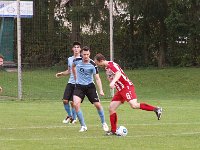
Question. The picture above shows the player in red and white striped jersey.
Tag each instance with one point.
(123, 81)
(125, 91)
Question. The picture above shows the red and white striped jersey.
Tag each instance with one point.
(123, 81)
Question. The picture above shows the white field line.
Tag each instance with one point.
(100, 137)
(92, 125)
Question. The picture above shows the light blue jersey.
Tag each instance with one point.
(70, 62)
(85, 71)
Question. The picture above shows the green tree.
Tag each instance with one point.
(184, 32)
(146, 32)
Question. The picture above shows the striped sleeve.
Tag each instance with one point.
(95, 66)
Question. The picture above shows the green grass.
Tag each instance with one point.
(181, 83)
(38, 125)
(36, 122)
(152, 84)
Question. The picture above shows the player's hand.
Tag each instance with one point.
(1, 89)
(112, 85)
(101, 93)
(59, 74)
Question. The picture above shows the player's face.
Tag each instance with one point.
(1, 61)
(76, 49)
(86, 56)
(99, 63)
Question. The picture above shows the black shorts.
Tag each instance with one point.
(69, 92)
(87, 90)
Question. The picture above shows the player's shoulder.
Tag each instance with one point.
(92, 62)
(111, 63)
(113, 66)
(77, 59)
(69, 58)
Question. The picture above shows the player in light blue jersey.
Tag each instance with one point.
(84, 69)
(68, 93)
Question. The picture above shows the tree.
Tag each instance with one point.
(146, 33)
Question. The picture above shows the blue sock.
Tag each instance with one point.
(74, 113)
(80, 118)
(101, 115)
(68, 110)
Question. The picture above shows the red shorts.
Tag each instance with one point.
(126, 94)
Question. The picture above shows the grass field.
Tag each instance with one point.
(36, 122)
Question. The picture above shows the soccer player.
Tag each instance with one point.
(125, 91)
(84, 69)
(1, 63)
(68, 93)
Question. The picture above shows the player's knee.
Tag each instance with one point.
(98, 105)
(134, 105)
(65, 101)
(77, 106)
(72, 104)
(111, 110)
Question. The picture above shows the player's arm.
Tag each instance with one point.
(99, 84)
(64, 73)
(115, 78)
(74, 71)
(1, 89)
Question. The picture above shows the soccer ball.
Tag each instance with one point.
(122, 131)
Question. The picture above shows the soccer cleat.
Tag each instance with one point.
(110, 133)
(105, 126)
(83, 129)
(67, 119)
(158, 112)
(73, 121)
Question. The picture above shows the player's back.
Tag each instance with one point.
(123, 81)
(69, 63)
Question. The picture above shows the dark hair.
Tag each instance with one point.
(85, 48)
(1, 56)
(99, 57)
(76, 43)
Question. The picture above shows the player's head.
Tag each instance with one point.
(85, 53)
(100, 59)
(76, 47)
(1, 59)
(76, 43)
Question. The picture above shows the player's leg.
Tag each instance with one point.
(77, 99)
(68, 110)
(74, 118)
(71, 93)
(113, 116)
(92, 95)
(114, 104)
(135, 105)
(128, 94)
(77, 102)
(66, 97)
(100, 111)
(101, 115)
